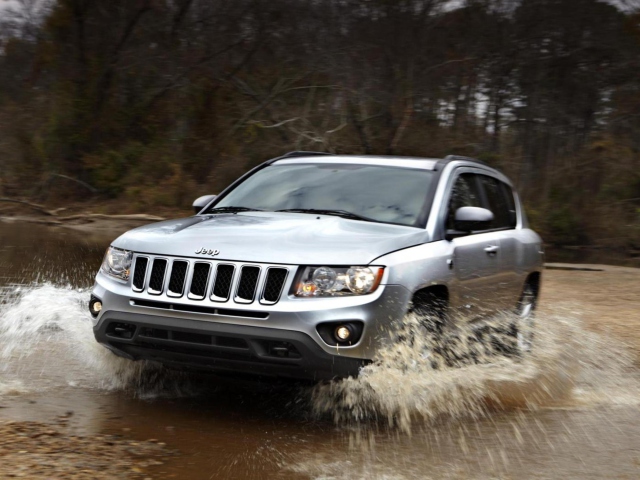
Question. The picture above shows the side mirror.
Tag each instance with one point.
(201, 202)
(468, 219)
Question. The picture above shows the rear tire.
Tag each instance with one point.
(513, 338)
(524, 325)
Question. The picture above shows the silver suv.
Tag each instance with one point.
(302, 267)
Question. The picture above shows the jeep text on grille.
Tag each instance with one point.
(204, 251)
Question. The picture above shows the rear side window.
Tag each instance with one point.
(464, 194)
(511, 203)
(500, 202)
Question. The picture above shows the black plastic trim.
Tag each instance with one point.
(310, 361)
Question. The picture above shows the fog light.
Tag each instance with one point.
(343, 333)
(95, 306)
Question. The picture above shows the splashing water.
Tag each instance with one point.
(46, 340)
(416, 380)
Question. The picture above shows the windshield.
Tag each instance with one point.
(380, 193)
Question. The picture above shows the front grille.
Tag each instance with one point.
(247, 284)
(222, 287)
(219, 282)
(156, 280)
(273, 285)
(139, 273)
(178, 276)
(199, 280)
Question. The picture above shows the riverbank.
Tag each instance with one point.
(108, 217)
(112, 219)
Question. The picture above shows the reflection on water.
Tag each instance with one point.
(34, 253)
(568, 410)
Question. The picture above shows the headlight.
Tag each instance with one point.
(338, 281)
(117, 263)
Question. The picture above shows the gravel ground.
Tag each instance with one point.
(51, 450)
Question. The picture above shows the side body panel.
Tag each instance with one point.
(421, 266)
(476, 262)
(520, 255)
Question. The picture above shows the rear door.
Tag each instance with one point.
(476, 256)
(498, 197)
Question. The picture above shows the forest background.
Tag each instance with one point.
(140, 105)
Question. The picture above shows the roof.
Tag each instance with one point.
(383, 160)
(301, 157)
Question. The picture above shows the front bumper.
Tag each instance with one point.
(232, 340)
(221, 347)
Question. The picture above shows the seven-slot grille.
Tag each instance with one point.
(220, 282)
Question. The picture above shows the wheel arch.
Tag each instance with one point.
(434, 297)
(533, 279)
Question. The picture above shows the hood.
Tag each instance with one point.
(273, 237)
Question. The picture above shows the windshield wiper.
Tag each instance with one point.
(337, 213)
(233, 210)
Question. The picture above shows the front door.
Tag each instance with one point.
(476, 257)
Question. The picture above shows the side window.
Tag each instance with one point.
(511, 203)
(503, 209)
(464, 194)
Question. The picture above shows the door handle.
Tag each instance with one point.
(492, 249)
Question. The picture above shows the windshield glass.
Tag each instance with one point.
(381, 193)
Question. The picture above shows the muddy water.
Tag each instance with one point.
(569, 410)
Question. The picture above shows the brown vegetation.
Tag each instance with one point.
(155, 102)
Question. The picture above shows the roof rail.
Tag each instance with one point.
(302, 153)
(462, 157)
(296, 153)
